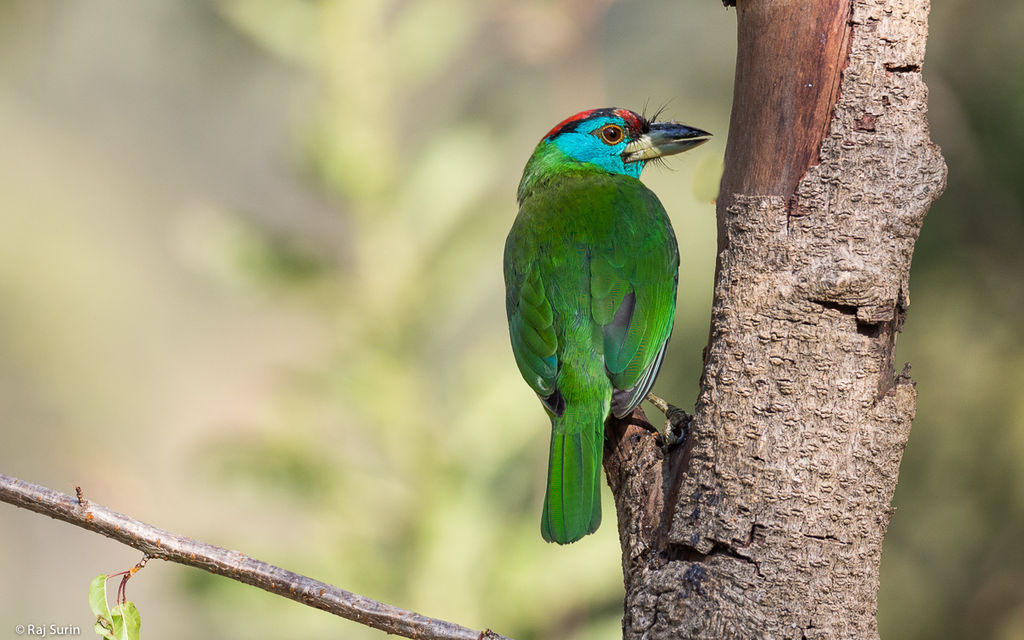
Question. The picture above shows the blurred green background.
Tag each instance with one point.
(250, 291)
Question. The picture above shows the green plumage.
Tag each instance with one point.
(591, 265)
(583, 242)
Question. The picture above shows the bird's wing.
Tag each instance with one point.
(633, 262)
(633, 293)
(532, 330)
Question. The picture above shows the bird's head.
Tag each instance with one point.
(611, 140)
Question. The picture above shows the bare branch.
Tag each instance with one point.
(165, 545)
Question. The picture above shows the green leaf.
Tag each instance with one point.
(127, 622)
(98, 596)
(117, 625)
(120, 623)
(132, 621)
(99, 606)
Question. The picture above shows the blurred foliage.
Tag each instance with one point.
(257, 246)
(953, 565)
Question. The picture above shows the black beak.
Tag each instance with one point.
(664, 139)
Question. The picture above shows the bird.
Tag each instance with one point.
(591, 268)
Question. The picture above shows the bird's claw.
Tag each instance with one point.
(677, 423)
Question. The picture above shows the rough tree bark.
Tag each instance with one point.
(768, 522)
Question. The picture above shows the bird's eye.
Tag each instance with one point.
(611, 134)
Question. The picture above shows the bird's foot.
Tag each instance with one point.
(677, 423)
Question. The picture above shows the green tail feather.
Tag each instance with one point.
(572, 505)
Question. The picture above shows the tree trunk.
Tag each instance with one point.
(769, 521)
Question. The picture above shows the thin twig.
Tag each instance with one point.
(164, 545)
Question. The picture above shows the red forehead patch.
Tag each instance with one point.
(632, 120)
(634, 123)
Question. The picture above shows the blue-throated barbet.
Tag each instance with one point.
(591, 265)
